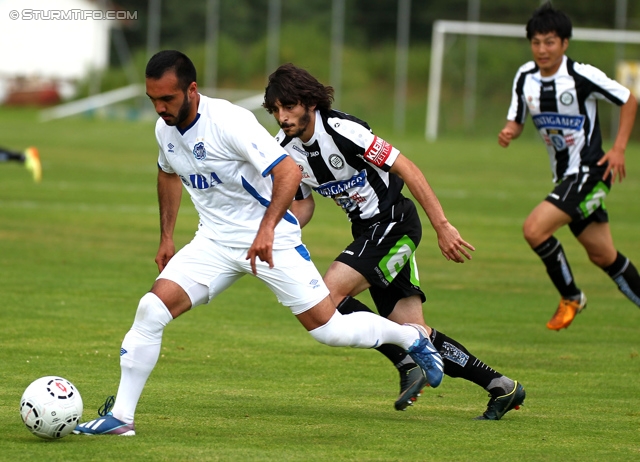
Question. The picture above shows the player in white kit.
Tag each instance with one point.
(241, 183)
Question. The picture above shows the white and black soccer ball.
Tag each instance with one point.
(51, 407)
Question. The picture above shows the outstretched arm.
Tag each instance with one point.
(615, 156)
(451, 244)
(286, 179)
(169, 195)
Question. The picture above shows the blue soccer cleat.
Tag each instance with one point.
(106, 424)
(427, 357)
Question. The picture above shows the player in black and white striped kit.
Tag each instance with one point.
(342, 159)
(562, 96)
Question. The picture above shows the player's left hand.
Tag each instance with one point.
(615, 166)
(452, 245)
(262, 248)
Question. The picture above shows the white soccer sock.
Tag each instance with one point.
(363, 330)
(139, 354)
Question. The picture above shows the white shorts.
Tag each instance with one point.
(204, 269)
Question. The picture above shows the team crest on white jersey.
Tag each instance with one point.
(199, 151)
(336, 161)
(566, 98)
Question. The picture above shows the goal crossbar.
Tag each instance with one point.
(441, 28)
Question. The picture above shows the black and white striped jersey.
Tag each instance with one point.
(345, 161)
(564, 109)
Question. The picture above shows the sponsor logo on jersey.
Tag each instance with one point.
(343, 200)
(170, 147)
(305, 153)
(333, 188)
(558, 142)
(304, 174)
(378, 152)
(199, 181)
(566, 98)
(554, 121)
(357, 198)
(336, 161)
(199, 151)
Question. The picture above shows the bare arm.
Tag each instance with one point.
(510, 132)
(303, 210)
(169, 195)
(449, 240)
(286, 179)
(615, 156)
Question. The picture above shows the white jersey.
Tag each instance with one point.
(224, 158)
(565, 112)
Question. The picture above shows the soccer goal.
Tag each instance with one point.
(441, 28)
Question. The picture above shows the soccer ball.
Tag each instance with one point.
(51, 407)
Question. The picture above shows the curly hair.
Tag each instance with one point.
(291, 85)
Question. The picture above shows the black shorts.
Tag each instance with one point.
(581, 196)
(383, 251)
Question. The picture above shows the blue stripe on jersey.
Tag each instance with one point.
(276, 162)
(288, 216)
(302, 250)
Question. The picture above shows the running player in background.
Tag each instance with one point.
(562, 96)
(340, 158)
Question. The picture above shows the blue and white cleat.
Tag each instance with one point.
(106, 424)
(427, 357)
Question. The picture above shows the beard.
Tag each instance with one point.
(303, 123)
(183, 113)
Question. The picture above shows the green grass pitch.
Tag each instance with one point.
(239, 379)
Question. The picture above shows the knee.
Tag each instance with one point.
(330, 333)
(530, 233)
(534, 234)
(601, 259)
(152, 315)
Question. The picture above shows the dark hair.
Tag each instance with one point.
(547, 19)
(172, 60)
(292, 85)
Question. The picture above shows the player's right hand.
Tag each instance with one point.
(505, 136)
(166, 251)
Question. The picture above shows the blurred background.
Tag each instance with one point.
(87, 57)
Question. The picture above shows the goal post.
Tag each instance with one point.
(441, 28)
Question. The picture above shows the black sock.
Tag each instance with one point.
(458, 362)
(394, 353)
(558, 269)
(625, 274)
